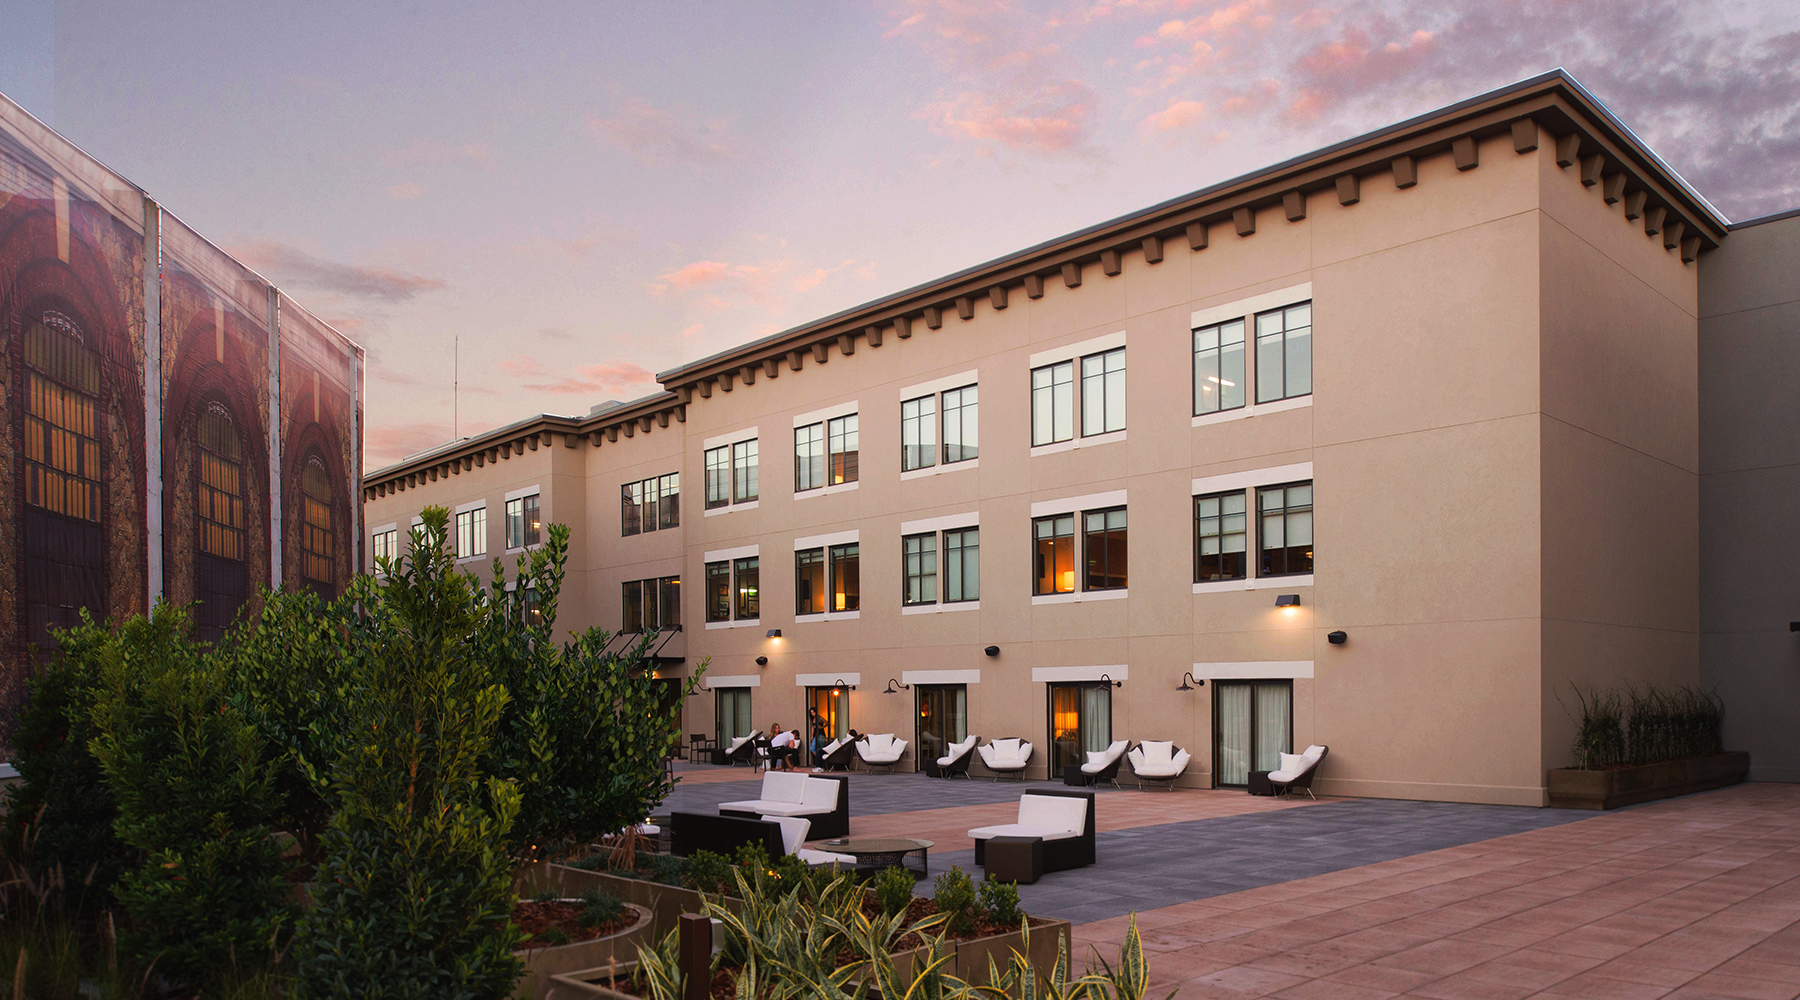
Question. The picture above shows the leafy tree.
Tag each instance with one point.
(413, 895)
(195, 795)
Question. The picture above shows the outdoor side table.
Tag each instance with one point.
(1259, 783)
(884, 852)
(1015, 859)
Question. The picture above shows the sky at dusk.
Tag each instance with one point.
(585, 194)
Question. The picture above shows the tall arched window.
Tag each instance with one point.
(316, 547)
(63, 540)
(219, 500)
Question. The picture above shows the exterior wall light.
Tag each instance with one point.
(1792, 627)
(775, 633)
(1288, 601)
(840, 685)
(992, 651)
(1337, 638)
(762, 661)
(1105, 680)
(1188, 682)
(893, 689)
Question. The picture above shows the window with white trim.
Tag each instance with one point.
(1219, 367)
(524, 526)
(1284, 353)
(731, 474)
(1103, 393)
(1053, 403)
(471, 533)
(918, 433)
(1285, 529)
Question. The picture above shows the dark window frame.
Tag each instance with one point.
(1037, 556)
(1288, 511)
(746, 608)
(915, 451)
(1281, 337)
(908, 578)
(718, 601)
(806, 563)
(966, 551)
(1200, 534)
(967, 420)
(1217, 352)
(1049, 389)
(1119, 561)
(1102, 381)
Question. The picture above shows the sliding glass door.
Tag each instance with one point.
(943, 719)
(731, 714)
(1080, 721)
(1253, 725)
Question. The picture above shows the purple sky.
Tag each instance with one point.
(588, 193)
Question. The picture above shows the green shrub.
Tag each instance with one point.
(1646, 725)
(59, 819)
(954, 894)
(599, 908)
(1001, 901)
(707, 872)
(413, 896)
(1600, 741)
(196, 797)
(893, 890)
(550, 937)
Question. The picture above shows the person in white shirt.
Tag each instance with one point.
(783, 748)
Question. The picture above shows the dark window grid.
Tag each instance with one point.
(919, 570)
(1103, 393)
(962, 565)
(718, 477)
(718, 591)
(1284, 353)
(744, 471)
(843, 443)
(1219, 367)
(1221, 537)
(668, 488)
(962, 424)
(846, 576)
(1053, 403)
(918, 433)
(809, 457)
(1285, 529)
(745, 574)
(1104, 546)
(809, 582)
(1053, 548)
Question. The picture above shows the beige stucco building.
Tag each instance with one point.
(1459, 354)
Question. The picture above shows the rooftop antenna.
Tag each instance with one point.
(456, 387)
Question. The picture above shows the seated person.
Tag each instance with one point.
(783, 748)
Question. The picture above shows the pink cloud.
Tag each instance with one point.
(406, 191)
(607, 377)
(659, 136)
(1052, 118)
(287, 263)
(1178, 115)
(423, 152)
(387, 444)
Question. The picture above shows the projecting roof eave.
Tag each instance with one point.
(1560, 102)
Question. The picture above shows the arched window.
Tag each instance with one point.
(220, 575)
(316, 548)
(63, 539)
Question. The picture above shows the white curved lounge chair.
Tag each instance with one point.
(793, 834)
(1008, 756)
(957, 760)
(881, 749)
(1158, 760)
(1297, 770)
(1103, 765)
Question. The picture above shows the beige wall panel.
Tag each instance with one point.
(1066, 314)
(1583, 211)
(1753, 269)
(1152, 288)
(1439, 525)
(1620, 357)
(1246, 626)
(1445, 200)
(1278, 254)
(1758, 676)
(1432, 711)
(1621, 540)
(1437, 332)
(1749, 409)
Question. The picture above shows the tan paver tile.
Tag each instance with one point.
(1249, 981)
(1714, 983)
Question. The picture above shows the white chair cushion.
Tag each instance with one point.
(820, 794)
(1021, 830)
(793, 832)
(1292, 765)
(1006, 749)
(835, 745)
(1099, 760)
(739, 742)
(1157, 752)
(1057, 812)
(1144, 769)
(879, 742)
(783, 786)
(1314, 752)
(813, 857)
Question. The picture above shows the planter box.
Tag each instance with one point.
(543, 963)
(1570, 788)
(666, 903)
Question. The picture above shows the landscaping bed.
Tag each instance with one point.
(1612, 787)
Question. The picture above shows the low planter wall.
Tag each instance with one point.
(666, 903)
(1571, 788)
(543, 963)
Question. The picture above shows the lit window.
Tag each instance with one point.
(1219, 367)
(1284, 353)
(1055, 557)
(61, 533)
(809, 457)
(1053, 403)
(1103, 393)
(1286, 533)
(746, 571)
(718, 591)
(846, 584)
(842, 435)
(668, 601)
(384, 545)
(809, 582)
(1219, 537)
(524, 527)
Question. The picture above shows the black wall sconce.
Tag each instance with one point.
(1105, 680)
(1288, 601)
(1792, 627)
(775, 633)
(1337, 638)
(1189, 682)
(992, 651)
(762, 661)
(700, 687)
(840, 685)
(891, 689)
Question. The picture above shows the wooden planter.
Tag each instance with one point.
(543, 963)
(1571, 788)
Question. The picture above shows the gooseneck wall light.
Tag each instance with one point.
(1105, 680)
(840, 685)
(893, 689)
(1188, 682)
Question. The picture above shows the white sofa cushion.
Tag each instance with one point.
(1098, 760)
(1021, 830)
(783, 786)
(793, 832)
(956, 750)
(1292, 765)
(1058, 812)
(1314, 752)
(1144, 769)
(736, 744)
(813, 857)
(1006, 749)
(1157, 753)
(835, 745)
(881, 749)
(821, 794)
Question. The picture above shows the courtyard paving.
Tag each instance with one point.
(1241, 896)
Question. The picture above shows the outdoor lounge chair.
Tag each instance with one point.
(824, 799)
(793, 836)
(881, 750)
(1006, 757)
(1103, 765)
(1297, 770)
(839, 754)
(1157, 760)
(1062, 818)
(957, 758)
(742, 750)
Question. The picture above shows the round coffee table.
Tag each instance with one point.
(883, 852)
